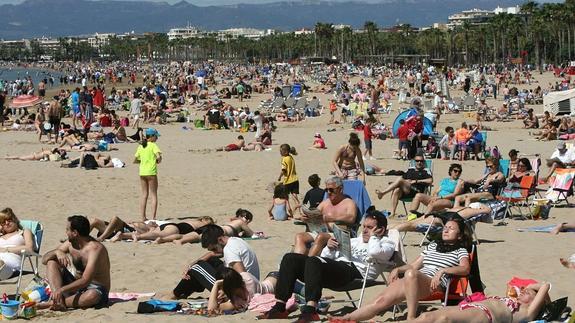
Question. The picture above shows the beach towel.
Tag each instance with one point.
(126, 297)
(263, 302)
(543, 228)
(561, 179)
(156, 305)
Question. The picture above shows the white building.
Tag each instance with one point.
(473, 16)
(184, 33)
(509, 10)
(100, 40)
(49, 44)
(250, 33)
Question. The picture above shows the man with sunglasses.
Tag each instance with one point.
(338, 209)
(414, 181)
(332, 269)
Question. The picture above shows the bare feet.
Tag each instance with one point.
(566, 263)
(557, 229)
(116, 237)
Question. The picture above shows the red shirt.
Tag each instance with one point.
(403, 132)
(367, 134)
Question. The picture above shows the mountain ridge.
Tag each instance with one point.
(56, 18)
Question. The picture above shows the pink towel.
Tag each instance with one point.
(264, 302)
(124, 297)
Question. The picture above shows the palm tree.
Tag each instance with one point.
(371, 29)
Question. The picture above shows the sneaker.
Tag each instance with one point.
(273, 314)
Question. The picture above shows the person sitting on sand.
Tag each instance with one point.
(414, 181)
(524, 308)
(239, 289)
(280, 210)
(91, 284)
(318, 142)
(13, 240)
(488, 184)
(345, 158)
(333, 269)
(203, 273)
(337, 208)
(425, 275)
(55, 154)
(184, 231)
(445, 193)
(238, 145)
(530, 121)
(548, 132)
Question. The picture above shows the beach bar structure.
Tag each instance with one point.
(562, 102)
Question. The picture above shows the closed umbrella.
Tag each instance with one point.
(24, 101)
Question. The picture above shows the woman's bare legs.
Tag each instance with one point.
(186, 238)
(438, 205)
(417, 286)
(412, 225)
(420, 198)
(157, 233)
(154, 195)
(144, 184)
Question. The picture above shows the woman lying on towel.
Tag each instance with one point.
(524, 308)
(239, 289)
(563, 227)
(55, 154)
(427, 274)
(184, 231)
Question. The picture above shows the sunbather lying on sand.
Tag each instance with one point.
(53, 155)
(118, 229)
(563, 227)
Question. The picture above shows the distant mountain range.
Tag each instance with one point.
(54, 18)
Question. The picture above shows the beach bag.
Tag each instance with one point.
(89, 162)
(124, 122)
(155, 305)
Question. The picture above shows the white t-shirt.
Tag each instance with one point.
(237, 250)
(567, 158)
(136, 107)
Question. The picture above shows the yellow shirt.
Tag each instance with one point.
(148, 159)
(290, 175)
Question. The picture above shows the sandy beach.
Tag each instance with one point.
(201, 183)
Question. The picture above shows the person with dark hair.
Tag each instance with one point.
(149, 155)
(280, 210)
(315, 195)
(425, 275)
(91, 284)
(523, 168)
(448, 144)
(488, 185)
(414, 181)
(239, 289)
(202, 273)
(288, 172)
(345, 158)
(333, 269)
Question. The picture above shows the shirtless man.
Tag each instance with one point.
(345, 160)
(337, 208)
(54, 117)
(90, 286)
(237, 145)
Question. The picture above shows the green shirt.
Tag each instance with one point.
(148, 159)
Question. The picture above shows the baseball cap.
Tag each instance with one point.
(152, 132)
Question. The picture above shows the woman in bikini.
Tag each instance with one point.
(13, 240)
(238, 226)
(55, 154)
(524, 308)
(344, 162)
(489, 185)
(179, 233)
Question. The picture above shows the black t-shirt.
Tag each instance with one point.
(314, 197)
(415, 174)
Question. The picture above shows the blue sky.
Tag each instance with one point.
(220, 2)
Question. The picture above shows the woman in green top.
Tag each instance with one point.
(149, 156)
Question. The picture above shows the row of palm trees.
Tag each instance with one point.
(542, 33)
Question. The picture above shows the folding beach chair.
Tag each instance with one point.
(290, 102)
(429, 168)
(456, 287)
(399, 259)
(37, 231)
(561, 186)
(301, 104)
(518, 197)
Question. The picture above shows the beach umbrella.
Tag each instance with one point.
(24, 101)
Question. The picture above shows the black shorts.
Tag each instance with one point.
(368, 144)
(411, 194)
(68, 278)
(292, 187)
(183, 227)
(55, 123)
(411, 85)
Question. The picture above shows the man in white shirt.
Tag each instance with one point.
(203, 273)
(561, 158)
(332, 269)
(258, 121)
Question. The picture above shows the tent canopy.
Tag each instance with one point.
(427, 124)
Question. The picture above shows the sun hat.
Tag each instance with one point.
(152, 132)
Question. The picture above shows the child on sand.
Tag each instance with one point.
(149, 156)
(288, 173)
(280, 209)
(318, 142)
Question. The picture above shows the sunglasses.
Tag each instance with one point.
(490, 166)
(456, 170)
(332, 189)
(419, 160)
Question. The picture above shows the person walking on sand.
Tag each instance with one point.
(288, 173)
(149, 156)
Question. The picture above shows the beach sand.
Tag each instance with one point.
(217, 183)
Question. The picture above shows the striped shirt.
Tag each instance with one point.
(434, 260)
